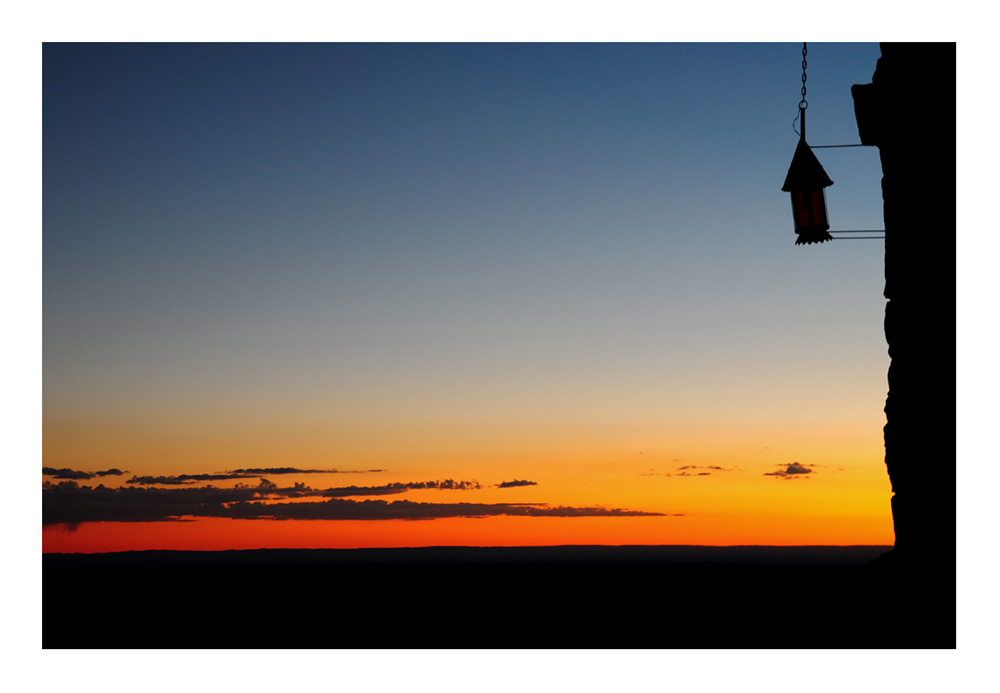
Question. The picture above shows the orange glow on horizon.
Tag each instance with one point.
(721, 480)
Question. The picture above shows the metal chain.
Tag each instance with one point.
(803, 104)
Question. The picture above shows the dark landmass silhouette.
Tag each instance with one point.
(635, 597)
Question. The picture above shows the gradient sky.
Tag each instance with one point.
(565, 264)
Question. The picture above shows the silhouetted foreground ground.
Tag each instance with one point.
(553, 597)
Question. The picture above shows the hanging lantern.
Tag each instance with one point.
(806, 181)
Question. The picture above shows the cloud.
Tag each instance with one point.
(186, 479)
(274, 471)
(168, 480)
(340, 509)
(46, 485)
(711, 467)
(68, 503)
(66, 473)
(398, 487)
(74, 474)
(516, 482)
(792, 471)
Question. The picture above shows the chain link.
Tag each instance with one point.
(803, 104)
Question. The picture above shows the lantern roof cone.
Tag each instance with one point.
(805, 173)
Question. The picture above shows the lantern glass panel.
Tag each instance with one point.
(809, 209)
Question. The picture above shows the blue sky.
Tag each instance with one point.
(278, 220)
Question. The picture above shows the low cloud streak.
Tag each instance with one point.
(74, 474)
(398, 487)
(189, 479)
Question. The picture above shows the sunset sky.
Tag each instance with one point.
(455, 294)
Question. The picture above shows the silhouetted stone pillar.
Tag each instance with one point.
(908, 112)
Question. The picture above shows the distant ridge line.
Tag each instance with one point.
(679, 554)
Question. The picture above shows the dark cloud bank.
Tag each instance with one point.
(69, 503)
(74, 474)
(188, 479)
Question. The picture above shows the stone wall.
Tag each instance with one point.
(908, 112)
